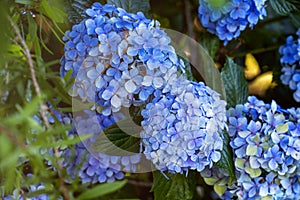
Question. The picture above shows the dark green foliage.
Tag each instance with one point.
(76, 9)
(173, 186)
(226, 161)
(235, 83)
(115, 139)
(132, 6)
(285, 7)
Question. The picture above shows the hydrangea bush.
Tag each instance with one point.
(123, 104)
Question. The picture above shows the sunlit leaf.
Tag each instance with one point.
(261, 84)
(252, 68)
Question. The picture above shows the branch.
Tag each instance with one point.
(43, 107)
(188, 18)
(256, 51)
(32, 71)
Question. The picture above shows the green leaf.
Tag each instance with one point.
(32, 36)
(101, 190)
(211, 44)
(53, 12)
(120, 136)
(285, 7)
(235, 83)
(26, 2)
(177, 187)
(75, 9)
(132, 6)
(78, 105)
(226, 161)
(68, 142)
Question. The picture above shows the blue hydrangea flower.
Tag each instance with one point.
(181, 129)
(32, 188)
(227, 19)
(119, 59)
(266, 150)
(290, 60)
(95, 166)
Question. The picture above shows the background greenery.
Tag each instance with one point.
(31, 47)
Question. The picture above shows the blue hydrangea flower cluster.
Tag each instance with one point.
(95, 167)
(22, 195)
(228, 18)
(122, 59)
(266, 144)
(181, 129)
(290, 60)
(119, 58)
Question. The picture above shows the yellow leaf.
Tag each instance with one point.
(261, 84)
(252, 68)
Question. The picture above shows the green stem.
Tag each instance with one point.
(256, 51)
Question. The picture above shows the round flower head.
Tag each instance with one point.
(290, 59)
(118, 58)
(227, 18)
(266, 145)
(181, 129)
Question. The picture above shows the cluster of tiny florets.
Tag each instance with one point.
(119, 59)
(32, 188)
(228, 18)
(266, 149)
(94, 166)
(122, 60)
(181, 129)
(290, 60)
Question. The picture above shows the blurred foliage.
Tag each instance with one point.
(30, 141)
